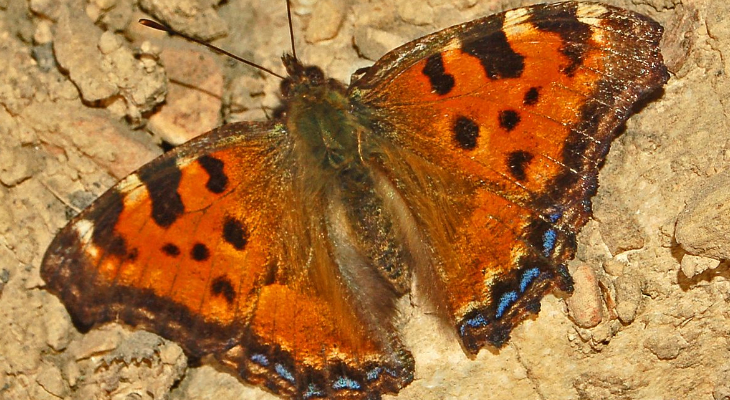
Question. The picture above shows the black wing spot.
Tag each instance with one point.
(171, 250)
(200, 252)
(466, 132)
(132, 255)
(574, 34)
(162, 182)
(235, 233)
(508, 119)
(517, 162)
(222, 286)
(441, 82)
(531, 96)
(272, 270)
(105, 220)
(496, 55)
(217, 179)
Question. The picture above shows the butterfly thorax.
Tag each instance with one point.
(318, 118)
(327, 137)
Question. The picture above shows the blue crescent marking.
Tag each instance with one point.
(474, 322)
(548, 242)
(260, 359)
(505, 301)
(283, 372)
(374, 373)
(313, 391)
(344, 382)
(527, 277)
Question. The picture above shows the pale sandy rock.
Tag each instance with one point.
(16, 166)
(462, 4)
(119, 16)
(681, 37)
(57, 330)
(585, 305)
(196, 18)
(105, 70)
(4, 277)
(703, 226)
(194, 97)
(614, 267)
(76, 52)
(665, 343)
(47, 8)
(43, 33)
(208, 383)
(304, 7)
(109, 42)
(52, 381)
(97, 341)
(43, 55)
(619, 227)
(602, 334)
(415, 12)
(141, 83)
(381, 14)
(721, 391)
(106, 142)
(6, 216)
(17, 86)
(628, 297)
(327, 18)
(373, 43)
(130, 366)
(243, 99)
(695, 265)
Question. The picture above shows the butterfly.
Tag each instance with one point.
(462, 162)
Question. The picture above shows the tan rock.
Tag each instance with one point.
(695, 265)
(585, 305)
(194, 97)
(327, 18)
(703, 226)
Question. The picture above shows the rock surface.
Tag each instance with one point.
(660, 333)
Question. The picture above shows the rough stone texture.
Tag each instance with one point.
(585, 304)
(695, 265)
(664, 334)
(193, 103)
(196, 18)
(703, 225)
(326, 20)
(105, 70)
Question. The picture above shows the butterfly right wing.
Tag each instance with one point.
(493, 130)
(215, 246)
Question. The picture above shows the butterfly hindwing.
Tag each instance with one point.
(517, 110)
(207, 246)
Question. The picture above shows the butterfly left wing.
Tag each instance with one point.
(493, 130)
(215, 246)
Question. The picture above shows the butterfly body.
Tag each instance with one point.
(463, 162)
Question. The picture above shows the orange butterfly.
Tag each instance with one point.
(464, 161)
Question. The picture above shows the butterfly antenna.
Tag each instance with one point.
(160, 27)
(291, 29)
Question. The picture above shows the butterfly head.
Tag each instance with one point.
(302, 78)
